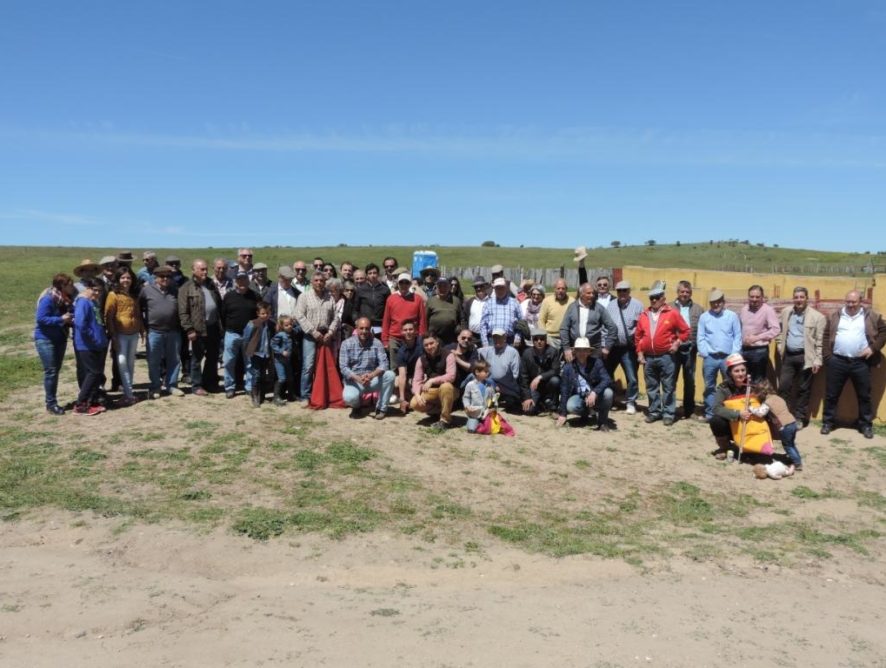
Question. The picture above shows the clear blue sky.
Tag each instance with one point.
(415, 122)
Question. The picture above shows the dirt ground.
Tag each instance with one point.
(79, 588)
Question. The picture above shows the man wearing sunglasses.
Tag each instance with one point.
(244, 264)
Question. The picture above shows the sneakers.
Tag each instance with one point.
(55, 410)
(439, 425)
(153, 394)
(83, 409)
(631, 409)
(649, 419)
(175, 392)
(377, 414)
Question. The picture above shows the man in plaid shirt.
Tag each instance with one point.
(500, 312)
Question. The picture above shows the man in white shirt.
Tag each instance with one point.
(853, 337)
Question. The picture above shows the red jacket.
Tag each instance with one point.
(398, 309)
(671, 327)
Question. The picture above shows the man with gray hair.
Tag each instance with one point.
(799, 351)
(199, 311)
(319, 322)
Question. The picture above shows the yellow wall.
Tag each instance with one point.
(778, 287)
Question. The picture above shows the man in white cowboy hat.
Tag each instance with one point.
(660, 331)
(585, 386)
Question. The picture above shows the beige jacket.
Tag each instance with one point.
(813, 336)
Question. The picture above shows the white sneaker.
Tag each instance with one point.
(175, 392)
(631, 409)
(394, 400)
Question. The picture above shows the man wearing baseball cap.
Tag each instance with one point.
(502, 311)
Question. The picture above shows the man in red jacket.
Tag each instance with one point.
(660, 331)
(401, 306)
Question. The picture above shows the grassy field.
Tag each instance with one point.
(25, 270)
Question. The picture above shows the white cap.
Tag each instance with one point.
(404, 277)
(499, 282)
(498, 331)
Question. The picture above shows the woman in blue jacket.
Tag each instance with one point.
(53, 320)
(90, 346)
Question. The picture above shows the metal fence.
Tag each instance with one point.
(517, 275)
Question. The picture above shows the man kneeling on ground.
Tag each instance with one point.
(585, 386)
(432, 385)
(364, 368)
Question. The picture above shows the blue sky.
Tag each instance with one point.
(539, 123)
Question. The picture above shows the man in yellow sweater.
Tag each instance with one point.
(553, 309)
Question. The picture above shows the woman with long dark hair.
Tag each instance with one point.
(124, 322)
(53, 321)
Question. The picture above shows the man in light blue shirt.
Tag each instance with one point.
(719, 336)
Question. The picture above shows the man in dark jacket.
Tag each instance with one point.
(687, 353)
(199, 311)
(585, 386)
(370, 298)
(540, 374)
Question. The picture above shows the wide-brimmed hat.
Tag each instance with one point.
(582, 343)
(125, 257)
(496, 269)
(85, 266)
(430, 270)
(480, 281)
(165, 270)
(580, 254)
(716, 295)
(108, 259)
(622, 285)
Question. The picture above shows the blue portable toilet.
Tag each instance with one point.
(422, 259)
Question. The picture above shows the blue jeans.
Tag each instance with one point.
(233, 351)
(308, 357)
(126, 346)
(575, 405)
(627, 357)
(254, 372)
(282, 366)
(51, 357)
(789, 443)
(660, 383)
(163, 349)
(384, 385)
(710, 366)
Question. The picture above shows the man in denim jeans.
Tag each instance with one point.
(159, 305)
(719, 336)
(238, 308)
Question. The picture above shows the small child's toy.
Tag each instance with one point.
(776, 470)
(493, 422)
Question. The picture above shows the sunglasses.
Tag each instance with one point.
(245, 254)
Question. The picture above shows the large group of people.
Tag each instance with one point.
(399, 343)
